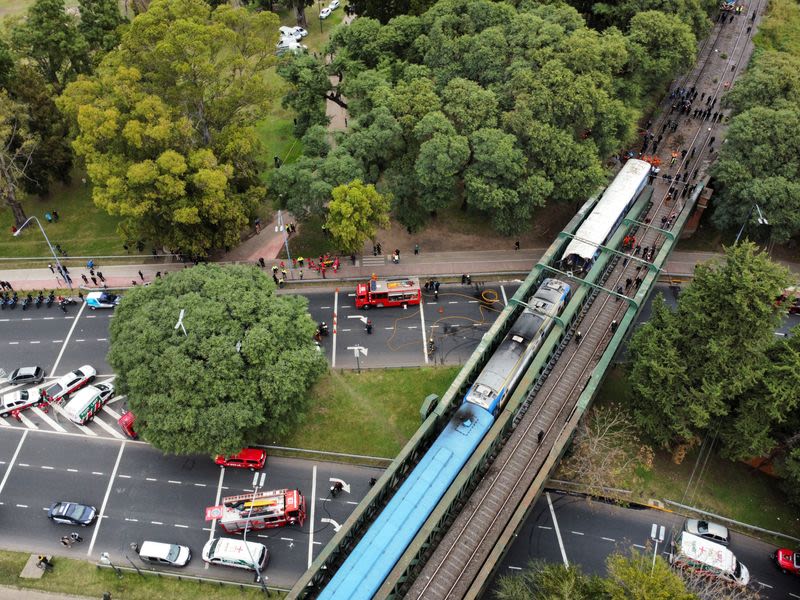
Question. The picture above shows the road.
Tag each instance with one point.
(584, 532)
(143, 495)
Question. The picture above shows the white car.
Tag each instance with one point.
(102, 300)
(19, 400)
(333, 4)
(325, 13)
(286, 31)
(299, 33)
(290, 45)
(73, 381)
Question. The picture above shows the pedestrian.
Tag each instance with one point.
(75, 537)
(711, 141)
(300, 261)
(280, 282)
(578, 337)
(301, 274)
(322, 270)
(158, 275)
(416, 249)
(620, 292)
(94, 280)
(52, 270)
(436, 293)
(614, 326)
(469, 279)
(55, 216)
(275, 278)
(141, 276)
(539, 437)
(85, 280)
(628, 283)
(463, 279)
(261, 262)
(275, 269)
(133, 282)
(66, 542)
(638, 282)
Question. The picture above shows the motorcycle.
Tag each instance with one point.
(336, 488)
(323, 329)
(27, 302)
(63, 305)
(50, 299)
(39, 300)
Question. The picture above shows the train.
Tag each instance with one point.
(606, 216)
(376, 554)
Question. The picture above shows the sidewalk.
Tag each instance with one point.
(12, 593)
(433, 264)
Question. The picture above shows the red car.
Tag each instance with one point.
(249, 458)
(787, 560)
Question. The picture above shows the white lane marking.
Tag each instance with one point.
(200, 484)
(47, 419)
(173, 481)
(412, 326)
(113, 413)
(108, 493)
(424, 337)
(346, 330)
(515, 568)
(24, 465)
(48, 318)
(132, 520)
(47, 468)
(97, 473)
(764, 585)
(545, 527)
(102, 339)
(608, 539)
(63, 413)
(389, 328)
(503, 291)
(124, 476)
(453, 302)
(639, 546)
(324, 307)
(287, 539)
(150, 479)
(578, 532)
(22, 506)
(181, 526)
(335, 326)
(27, 422)
(112, 430)
(558, 531)
(793, 595)
(66, 341)
(313, 508)
(156, 523)
(34, 342)
(57, 341)
(80, 340)
(351, 502)
(13, 343)
(475, 302)
(72, 471)
(216, 503)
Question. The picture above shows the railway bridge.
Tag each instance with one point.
(455, 552)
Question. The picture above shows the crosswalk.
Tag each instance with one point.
(53, 418)
(373, 261)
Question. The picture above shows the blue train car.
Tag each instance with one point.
(373, 558)
(379, 550)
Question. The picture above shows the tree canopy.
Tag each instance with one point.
(165, 124)
(760, 161)
(238, 376)
(695, 370)
(503, 108)
(355, 213)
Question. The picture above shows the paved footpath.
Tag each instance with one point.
(432, 264)
(12, 593)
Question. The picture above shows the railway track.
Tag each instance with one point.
(450, 571)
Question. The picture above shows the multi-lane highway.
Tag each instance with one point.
(573, 530)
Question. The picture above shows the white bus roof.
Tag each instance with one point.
(707, 552)
(617, 195)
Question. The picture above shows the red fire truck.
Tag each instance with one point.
(388, 292)
(276, 508)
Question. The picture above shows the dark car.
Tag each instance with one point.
(72, 513)
(26, 375)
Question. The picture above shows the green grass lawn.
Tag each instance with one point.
(374, 413)
(81, 577)
(82, 230)
(727, 488)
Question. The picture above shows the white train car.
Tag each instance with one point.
(607, 214)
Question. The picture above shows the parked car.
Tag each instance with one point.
(333, 4)
(325, 13)
(101, 300)
(75, 380)
(18, 401)
(299, 33)
(172, 555)
(286, 31)
(290, 45)
(787, 560)
(708, 531)
(26, 375)
(72, 513)
(249, 458)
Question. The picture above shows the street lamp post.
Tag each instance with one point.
(49, 245)
(258, 482)
(761, 221)
(281, 228)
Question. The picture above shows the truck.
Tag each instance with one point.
(396, 291)
(259, 510)
(708, 558)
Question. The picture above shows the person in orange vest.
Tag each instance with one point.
(674, 157)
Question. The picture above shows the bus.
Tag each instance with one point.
(397, 291)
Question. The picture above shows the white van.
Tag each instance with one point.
(172, 555)
(695, 553)
(230, 552)
(89, 401)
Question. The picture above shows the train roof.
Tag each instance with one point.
(596, 227)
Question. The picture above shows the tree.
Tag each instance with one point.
(238, 376)
(165, 123)
(636, 576)
(606, 450)
(756, 166)
(355, 213)
(692, 368)
(99, 25)
(51, 39)
(17, 145)
(543, 581)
